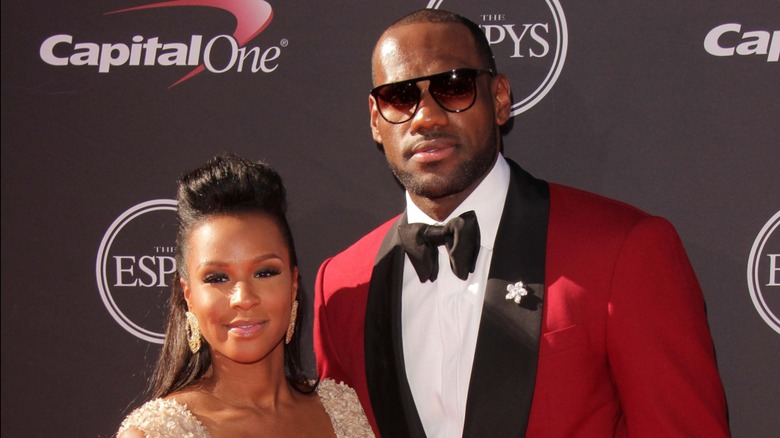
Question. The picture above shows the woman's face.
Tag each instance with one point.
(240, 286)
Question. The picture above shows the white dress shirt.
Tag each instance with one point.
(440, 319)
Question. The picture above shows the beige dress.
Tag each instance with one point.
(160, 418)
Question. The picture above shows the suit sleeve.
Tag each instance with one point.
(324, 349)
(339, 318)
(658, 340)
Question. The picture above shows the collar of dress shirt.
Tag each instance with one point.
(487, 201)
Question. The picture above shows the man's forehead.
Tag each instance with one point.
(425, 34)
(420, 49)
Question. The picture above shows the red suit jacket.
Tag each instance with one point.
(612, 340)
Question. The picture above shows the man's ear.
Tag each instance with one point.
(374, 112)
(502, 93)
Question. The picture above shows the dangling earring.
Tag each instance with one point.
(193, 332)
(291, 327)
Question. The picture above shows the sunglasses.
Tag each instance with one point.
(454, 90)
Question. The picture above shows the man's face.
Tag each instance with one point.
(438, 153)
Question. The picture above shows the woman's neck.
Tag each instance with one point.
(258, 385)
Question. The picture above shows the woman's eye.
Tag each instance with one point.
(267, 272)
(215, 278)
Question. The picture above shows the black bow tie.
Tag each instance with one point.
(461, 237)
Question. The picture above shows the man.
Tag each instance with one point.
(580, 316)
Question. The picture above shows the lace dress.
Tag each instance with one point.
(161, 418)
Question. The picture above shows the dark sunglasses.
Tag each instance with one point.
(454, 91)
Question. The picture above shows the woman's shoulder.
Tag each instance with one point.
(344, 409)
(164, 417)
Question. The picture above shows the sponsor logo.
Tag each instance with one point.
(529, 40)
(730, 40)
(217, 54)
(763, 273)
(135, 263)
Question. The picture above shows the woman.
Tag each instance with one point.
(231, 365)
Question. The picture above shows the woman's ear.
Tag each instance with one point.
(294, 283)
(185, 287)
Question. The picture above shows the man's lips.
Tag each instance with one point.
(433, 151)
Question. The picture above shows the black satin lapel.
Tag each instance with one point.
(388, 387)
(505, 361)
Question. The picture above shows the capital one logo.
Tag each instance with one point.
(219, 54)
(529, 39)
(729, 40)
(763, 273)
(134, 266)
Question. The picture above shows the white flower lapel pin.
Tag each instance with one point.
(516, 292)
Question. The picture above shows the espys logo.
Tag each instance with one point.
(134, 266)
(219, 54)
(763, 272)
(729, 40)
(529, 39)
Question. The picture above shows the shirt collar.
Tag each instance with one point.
(487, 201)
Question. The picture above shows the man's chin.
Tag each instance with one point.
(433, 188)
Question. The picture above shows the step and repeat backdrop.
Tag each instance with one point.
(671, 106)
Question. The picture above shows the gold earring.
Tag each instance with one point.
(291, 327)
(193, 332)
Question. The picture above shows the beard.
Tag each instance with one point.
(434, 186)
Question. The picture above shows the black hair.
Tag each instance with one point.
(226, 185)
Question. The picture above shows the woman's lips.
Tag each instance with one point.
(245, 329)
